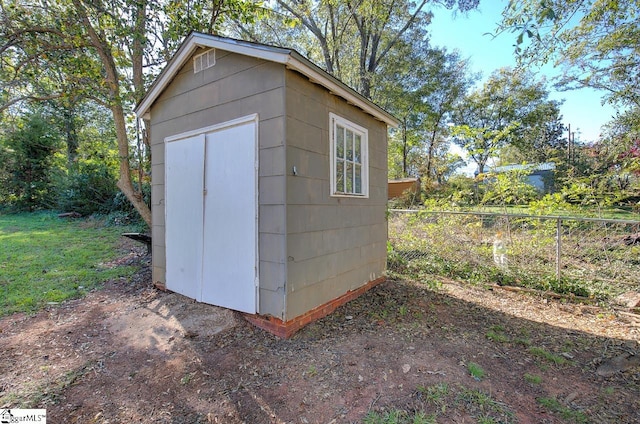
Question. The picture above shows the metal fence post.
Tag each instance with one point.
(558, 246)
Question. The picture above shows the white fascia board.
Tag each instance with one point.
(268, 53)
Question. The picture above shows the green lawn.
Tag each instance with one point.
(46, 259)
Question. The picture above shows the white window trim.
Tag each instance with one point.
(364, 146)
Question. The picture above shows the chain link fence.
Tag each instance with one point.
(582, 256)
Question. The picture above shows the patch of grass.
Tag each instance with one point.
(532, 378)
(398, 417)
(45, 259)
(567, 414)
(608, 391)
(476, 370)
(312, 371)
(477, 397)
(486, 409)
(548, 356)
(523, 338)
(422, 418)
(496, 334)
(445, 403)
(186, 379)
(436, 395)
(522, 341)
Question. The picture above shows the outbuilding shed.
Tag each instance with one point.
(539, 175)
(399, 187)
(269, 182)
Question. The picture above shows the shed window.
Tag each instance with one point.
(349, 158)
(204, 60)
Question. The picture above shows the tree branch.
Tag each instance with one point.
(16, 100)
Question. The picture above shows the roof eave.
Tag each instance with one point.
(335, 86)
(289, 58)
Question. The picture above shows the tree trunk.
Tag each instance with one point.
(124, 182)
(137, 53)
(112, 78)
(70, 135)
(481, 165)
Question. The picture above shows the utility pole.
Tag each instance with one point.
(570, 147)
(569, 143)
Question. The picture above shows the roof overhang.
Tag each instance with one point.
(290, 58)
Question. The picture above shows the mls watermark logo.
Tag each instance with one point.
(10, 416)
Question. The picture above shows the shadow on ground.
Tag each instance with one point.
(129, 353)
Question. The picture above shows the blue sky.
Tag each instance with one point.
(582, 108)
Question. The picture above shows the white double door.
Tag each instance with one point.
(211, 215)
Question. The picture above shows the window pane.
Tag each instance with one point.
(357, 156)
(358, 179)
(339, 176)
(339, 142)
(349, 145)
(349, 151)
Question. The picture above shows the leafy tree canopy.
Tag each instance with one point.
(596, 42)
(351, 39)
(509, 109)
(422, 86)
(105, 51)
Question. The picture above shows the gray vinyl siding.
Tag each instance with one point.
(236, 86)
(334, 244)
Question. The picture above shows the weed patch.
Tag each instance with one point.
(398, 417)
(476, 371)
(532, 378)
(568, 414)
(547, 356)
(441, 402)
(436, 395)
(496, 334)
(460, 246)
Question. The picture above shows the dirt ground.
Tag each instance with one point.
(130, 353)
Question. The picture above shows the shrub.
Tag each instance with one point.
(551, 204)
(509, 188)
(459, 190)
(122, 204)
(28, 164)
(90, 187)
